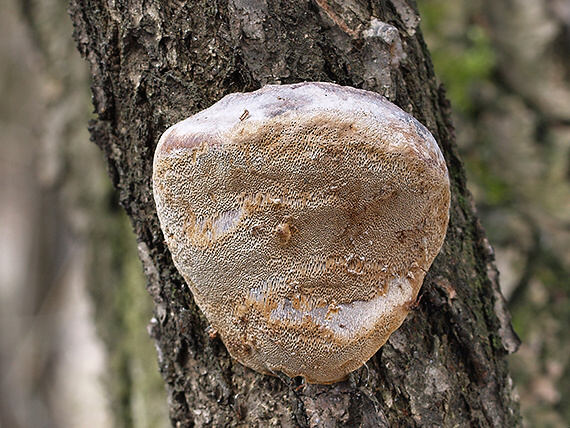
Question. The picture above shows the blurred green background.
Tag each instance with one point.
(506, 67)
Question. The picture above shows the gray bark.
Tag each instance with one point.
(154, 63)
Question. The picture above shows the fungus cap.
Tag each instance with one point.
(303, 218)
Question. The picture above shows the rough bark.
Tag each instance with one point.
(154, 63)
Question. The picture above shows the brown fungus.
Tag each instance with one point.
(305, 227)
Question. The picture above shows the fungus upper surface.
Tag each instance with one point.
(303, 218)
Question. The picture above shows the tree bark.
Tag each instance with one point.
(154, 63)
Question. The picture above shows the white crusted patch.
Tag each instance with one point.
(391, 36)
(347, 320)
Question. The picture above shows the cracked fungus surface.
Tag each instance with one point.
(303, 218)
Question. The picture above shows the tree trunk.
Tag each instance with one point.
(154, 63)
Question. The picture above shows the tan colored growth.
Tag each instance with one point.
(304, 218)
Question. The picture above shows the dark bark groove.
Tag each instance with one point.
(154, 63)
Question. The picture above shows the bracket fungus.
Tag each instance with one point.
(303, 218)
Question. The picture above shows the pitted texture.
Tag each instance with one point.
(304, 218)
